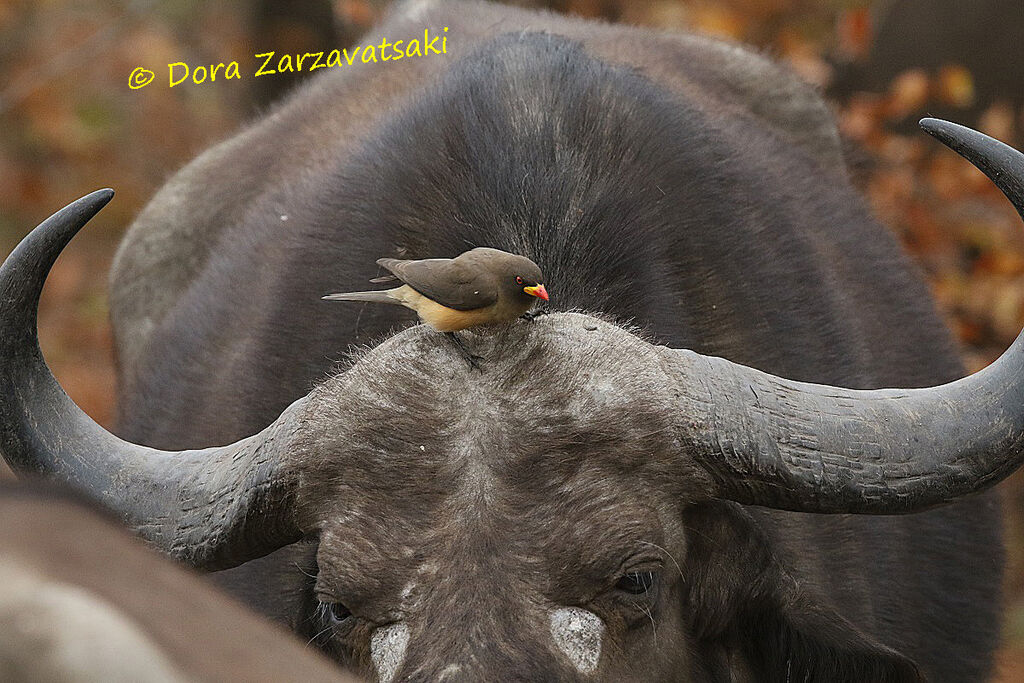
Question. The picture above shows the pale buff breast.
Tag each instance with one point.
(447, 319)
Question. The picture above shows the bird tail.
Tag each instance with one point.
(383, 296)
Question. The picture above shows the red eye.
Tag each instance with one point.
(519, 280)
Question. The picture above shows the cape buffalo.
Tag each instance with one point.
(589, 502)
(80, 600)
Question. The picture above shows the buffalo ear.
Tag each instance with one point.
(744, 607)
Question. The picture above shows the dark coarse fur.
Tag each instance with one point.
(66, 565)
(651, 181)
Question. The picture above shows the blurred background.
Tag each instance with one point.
(70, 124)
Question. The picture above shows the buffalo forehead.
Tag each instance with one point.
(554, 400)
(412, 452)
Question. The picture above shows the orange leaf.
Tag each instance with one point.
(956, 86)
(855, 32)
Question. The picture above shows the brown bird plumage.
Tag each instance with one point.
(479, 287)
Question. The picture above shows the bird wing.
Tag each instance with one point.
(445, 281)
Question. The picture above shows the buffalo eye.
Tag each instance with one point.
(519, 280)
(338, 614)
(636, 583)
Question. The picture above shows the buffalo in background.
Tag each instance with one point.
(80, 600)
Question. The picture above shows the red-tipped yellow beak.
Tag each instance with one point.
(537, 291)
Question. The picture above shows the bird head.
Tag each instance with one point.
(525, 278)
(517, 277)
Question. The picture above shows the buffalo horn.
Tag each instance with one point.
(212, 508)
(791, 445)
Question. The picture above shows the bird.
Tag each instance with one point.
(482, 286)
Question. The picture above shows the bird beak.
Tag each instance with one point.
(537, 291)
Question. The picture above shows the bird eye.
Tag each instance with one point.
(636, 583)
(519, 280)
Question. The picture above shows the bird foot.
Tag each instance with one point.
(473, 360)
(533, 315)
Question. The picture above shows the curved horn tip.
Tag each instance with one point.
(982, 150)
(70, 219)
(106, 192)
(937, 126)
(86, 207)
(951, 134)
(95, 200)
(55, 232)
(1001, 163)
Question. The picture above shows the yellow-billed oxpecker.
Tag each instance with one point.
(482, 286)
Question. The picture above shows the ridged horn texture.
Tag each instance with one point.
(811, 448)
(212, 508)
